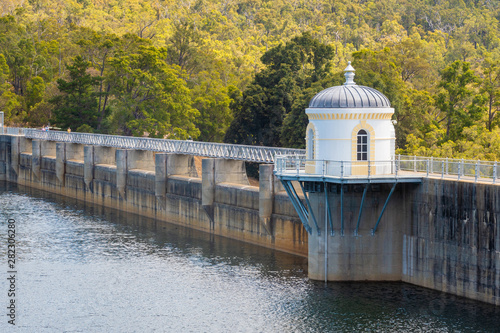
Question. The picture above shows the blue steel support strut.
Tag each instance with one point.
(311, 213)
(361, 209)
(383, 208)
(329, 214)
(304, 210)
(297, 205)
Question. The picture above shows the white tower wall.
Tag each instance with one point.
(334, 124)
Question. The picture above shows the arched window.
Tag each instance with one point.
(362, 150)
(310, 144)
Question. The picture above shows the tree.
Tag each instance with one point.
(266, 102)
(489, 89)
(455, 83)
(35, 91)
(77, 104)
(294, 126)
(212, 99)
(150, 97)
(183, 45)
(4, 73)
(99, 47)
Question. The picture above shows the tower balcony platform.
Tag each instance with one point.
(400, 169)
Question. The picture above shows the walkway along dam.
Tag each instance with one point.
(419, 225)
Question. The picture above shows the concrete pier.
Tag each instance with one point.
(352, 252)
(439, 234)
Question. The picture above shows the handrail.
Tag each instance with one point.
(416, 165)
(14, 130)
(400, 166)
(187, 147)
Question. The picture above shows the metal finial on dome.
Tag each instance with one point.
(349, 75)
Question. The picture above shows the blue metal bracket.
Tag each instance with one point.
(304, 210)
(310, 208)
(328, 213)
(297, 204)
(383, 208)
(361, 209)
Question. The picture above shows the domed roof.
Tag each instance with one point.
(350, 95)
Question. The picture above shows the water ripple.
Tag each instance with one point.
(87, 269)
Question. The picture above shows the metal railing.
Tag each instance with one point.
(447, 167)
(299, 165)
(400, 166)
(218, 150)
(286, 160)
(14, 130)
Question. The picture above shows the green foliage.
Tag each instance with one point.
(35, 91)
(11, 105)
(85, 129)
(153, 99)
(183, 46)
(212, 99)
(78, 102)
(452, 100)
(4, 72)
(488, 99)
(197, 69)
(276, 90)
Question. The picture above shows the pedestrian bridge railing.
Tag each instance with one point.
(13, 130)
(287, 161)
(257, 154)
(400, 166)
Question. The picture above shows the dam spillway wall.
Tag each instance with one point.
(163, 186)
(441, 234)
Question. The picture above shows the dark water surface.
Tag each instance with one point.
(83, 268)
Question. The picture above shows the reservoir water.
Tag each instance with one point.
(83, 268)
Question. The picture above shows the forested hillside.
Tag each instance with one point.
(243, 71)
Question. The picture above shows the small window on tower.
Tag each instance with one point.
(362, 146)
(310, 144)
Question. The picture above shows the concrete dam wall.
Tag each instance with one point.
(441, 234)
(163, 186)
(453, 241)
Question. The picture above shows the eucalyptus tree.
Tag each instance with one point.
(150, 96)
(454, 98)
(269, 99)
(77, 103)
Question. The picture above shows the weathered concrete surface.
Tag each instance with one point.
(162, 186)
(60, 162)
(5, 147)
(266, 195)
(36, 155)
(454, 240)
(441, 234)
(361, 256)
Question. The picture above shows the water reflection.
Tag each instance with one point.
(89, 269)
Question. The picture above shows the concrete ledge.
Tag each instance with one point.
(48, 163)
(184, 186)
(74, 167)
(141, 179)
(105, 172)
(244, 196)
